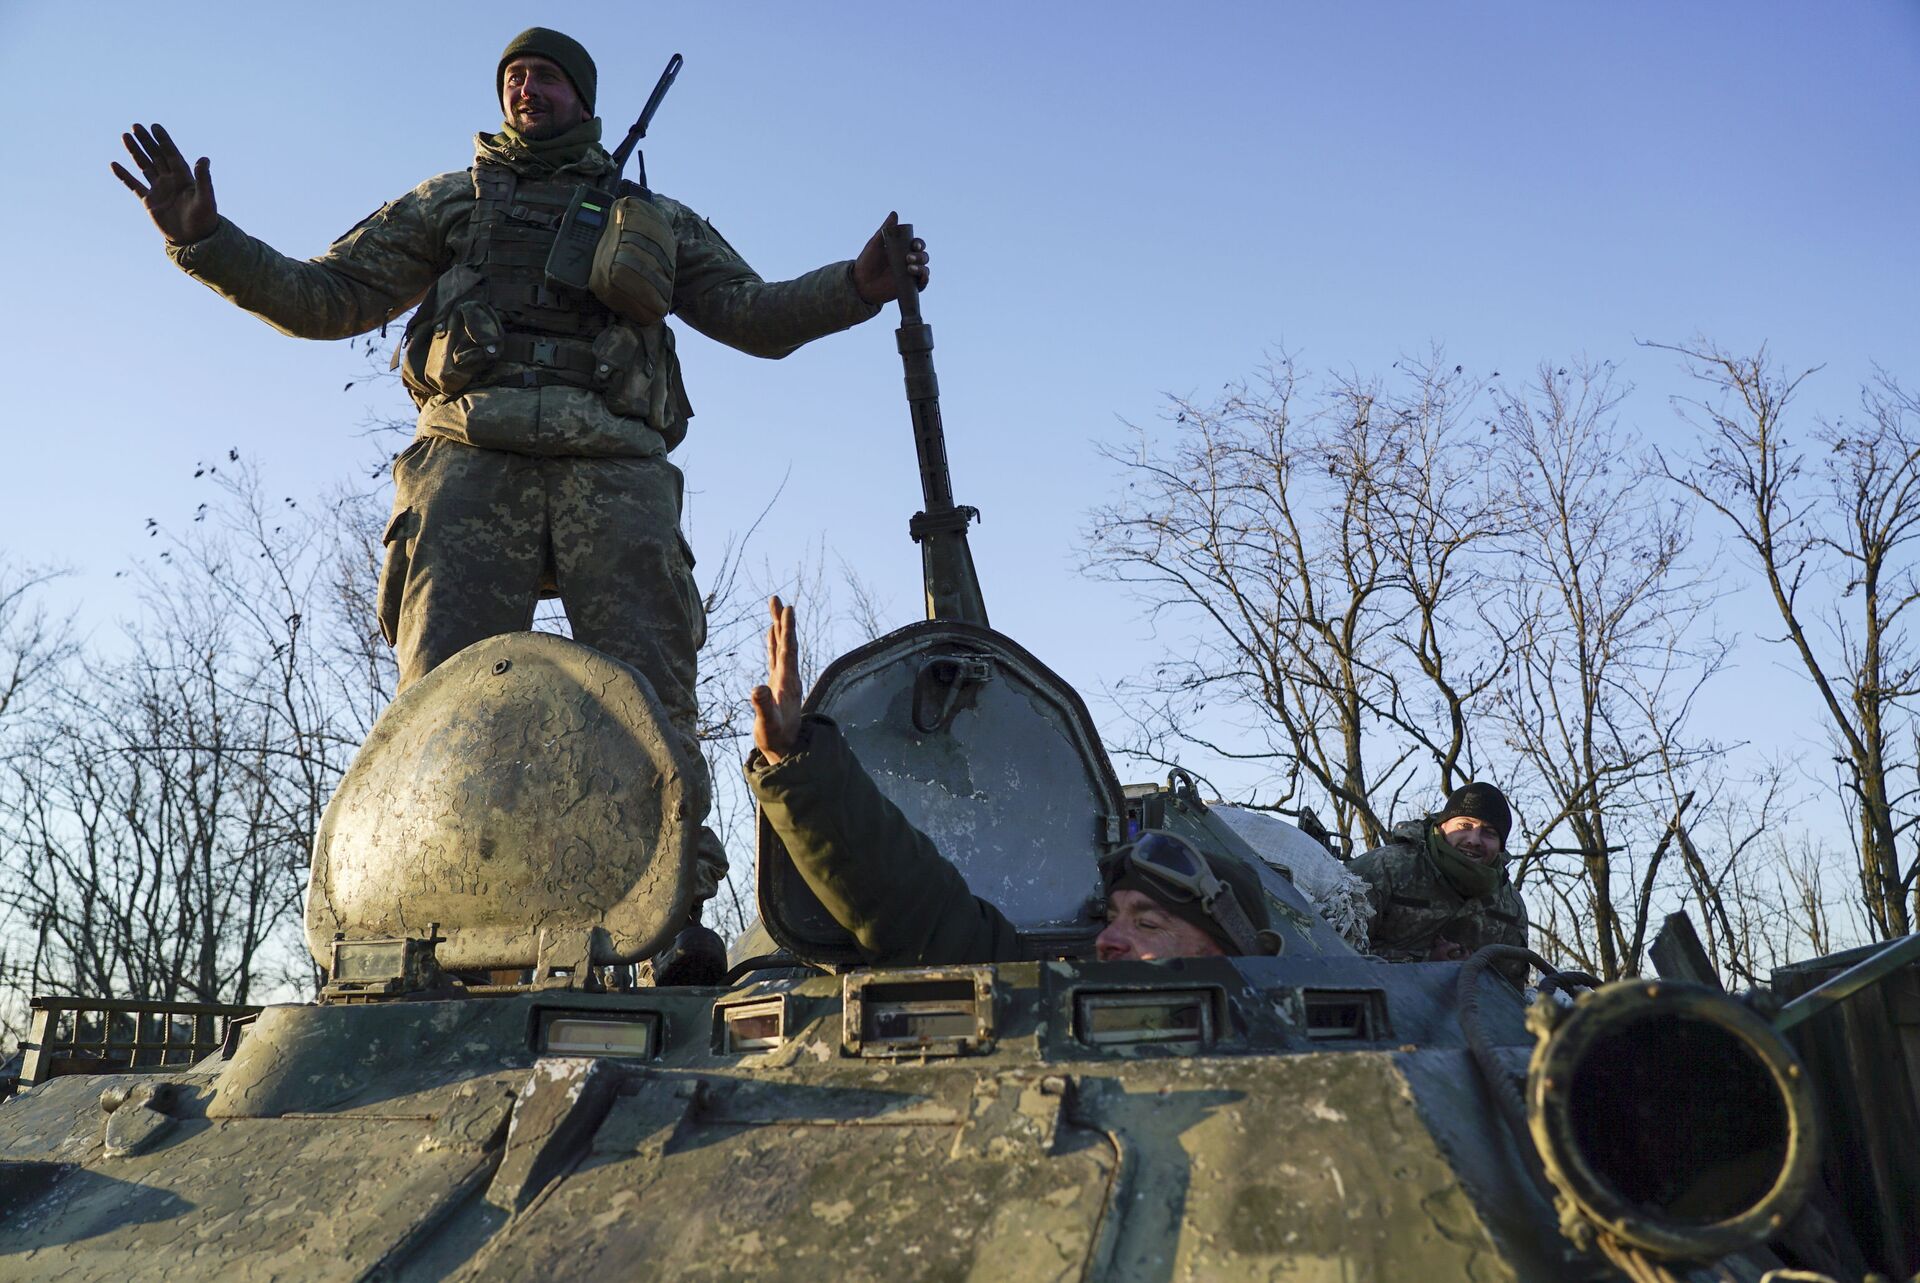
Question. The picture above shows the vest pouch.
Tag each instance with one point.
(621, 370)
(633, 264)
(466, 343)
(616, 353)
(667, 407)
(410, 356)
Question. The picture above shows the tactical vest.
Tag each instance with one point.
(494, 320)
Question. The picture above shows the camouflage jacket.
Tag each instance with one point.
(1413, 905)
(388, 261)
(878, 876)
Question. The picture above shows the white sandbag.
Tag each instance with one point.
(1338, 894)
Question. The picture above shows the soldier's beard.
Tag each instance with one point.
(537, 129)
(537, 120)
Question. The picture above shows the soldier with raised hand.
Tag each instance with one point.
(547, 411)
(1439, 886)
(907, 905)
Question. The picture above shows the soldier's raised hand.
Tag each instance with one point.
(873, 275)
(178, 199)
(776, 705)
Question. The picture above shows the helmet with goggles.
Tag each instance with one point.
(1218, 894)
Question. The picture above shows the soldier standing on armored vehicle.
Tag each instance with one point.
(883, 880)
(548, 403)
(1439, 886)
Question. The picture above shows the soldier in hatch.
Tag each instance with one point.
(546, 411)
(1439, 887)
(907, 905)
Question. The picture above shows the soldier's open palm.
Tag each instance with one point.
(178, 199)
(776, 705)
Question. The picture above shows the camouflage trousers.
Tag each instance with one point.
(478, 536)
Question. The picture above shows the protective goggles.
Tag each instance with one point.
(1182, 874)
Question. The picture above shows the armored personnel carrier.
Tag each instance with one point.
(483, 1091)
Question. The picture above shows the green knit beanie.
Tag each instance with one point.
(563, 51)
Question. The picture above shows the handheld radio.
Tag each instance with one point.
(570, 262)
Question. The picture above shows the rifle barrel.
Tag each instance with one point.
(639, 129)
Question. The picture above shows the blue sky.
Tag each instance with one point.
(1123, 201)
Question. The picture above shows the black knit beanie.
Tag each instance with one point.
(1481, 802)
(564, 51)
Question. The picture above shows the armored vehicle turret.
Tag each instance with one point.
(484, 1091)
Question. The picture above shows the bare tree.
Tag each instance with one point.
(348, 620)
(1610, 656)
(1758, 881)
(1850, 518)
(154, 844)
(1320, 563)
(36, 644)
(1439, 502)
(1753, 880)
(1375, 590)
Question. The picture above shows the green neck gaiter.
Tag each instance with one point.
(547, 154)
(1466, 875)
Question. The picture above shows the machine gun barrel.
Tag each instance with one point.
(1670, 1118)
(940, 528)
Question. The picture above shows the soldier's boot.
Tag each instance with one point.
(698, 956)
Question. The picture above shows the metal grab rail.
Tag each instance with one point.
(128, 1035)
(1883, 963)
